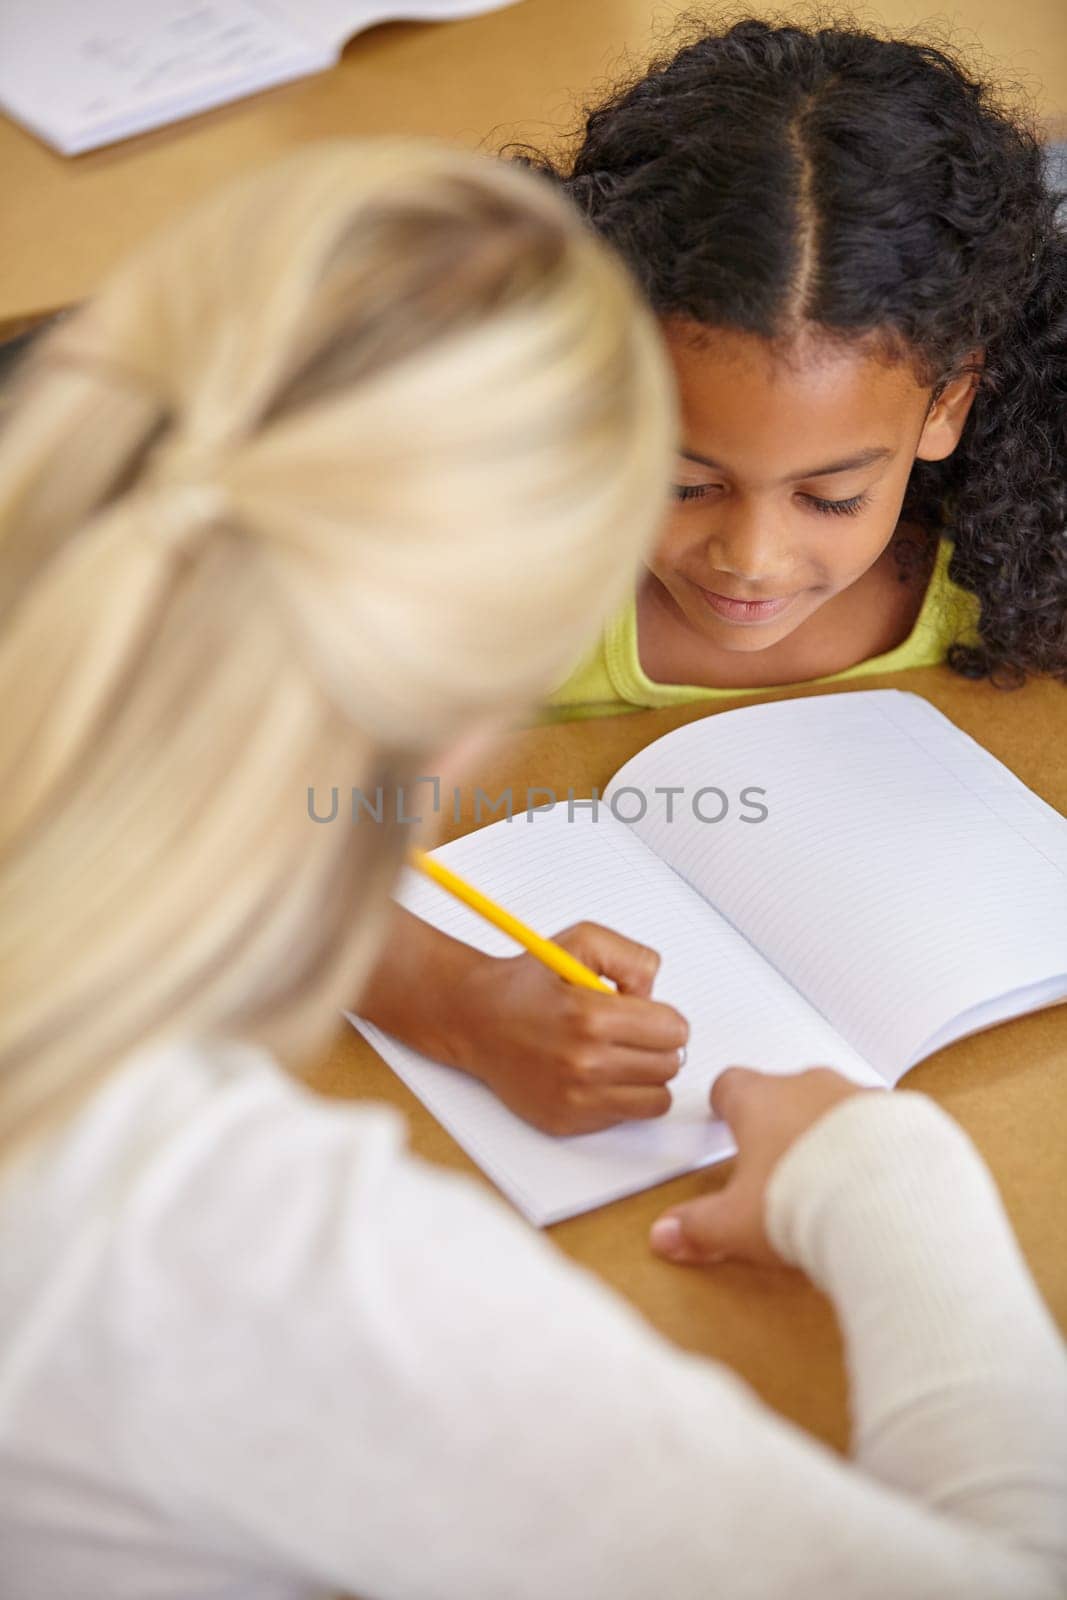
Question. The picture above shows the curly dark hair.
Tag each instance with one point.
(767, 176)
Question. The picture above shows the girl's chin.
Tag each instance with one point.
(744, 641)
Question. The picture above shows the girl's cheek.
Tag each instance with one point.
(677, 536)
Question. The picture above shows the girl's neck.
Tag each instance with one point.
(874, 615)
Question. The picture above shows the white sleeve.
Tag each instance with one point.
(370, 1374)
(957, 1372)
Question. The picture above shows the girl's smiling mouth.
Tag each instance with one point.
(744, 610)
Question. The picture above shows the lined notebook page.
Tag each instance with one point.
(553, 872)
(903, 877)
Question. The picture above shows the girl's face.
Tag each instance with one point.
(790, 478)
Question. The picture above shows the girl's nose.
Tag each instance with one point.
(749, 545)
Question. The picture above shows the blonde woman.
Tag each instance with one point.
(329, 481)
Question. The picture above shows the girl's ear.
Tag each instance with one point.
(946, 417)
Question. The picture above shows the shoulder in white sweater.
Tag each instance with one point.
(249, 1346)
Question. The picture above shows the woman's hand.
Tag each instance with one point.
(567, 1059)
(767, 1114)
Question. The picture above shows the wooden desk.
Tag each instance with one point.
(520, 73)
(1007, 1087)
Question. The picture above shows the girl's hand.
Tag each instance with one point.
(766, 1114)
(569, 1060)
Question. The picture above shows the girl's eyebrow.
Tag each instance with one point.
(862, 458)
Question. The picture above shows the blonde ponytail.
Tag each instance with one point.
(361, 452)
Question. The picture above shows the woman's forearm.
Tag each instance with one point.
(958, 1375)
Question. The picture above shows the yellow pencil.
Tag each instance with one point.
(553, 955)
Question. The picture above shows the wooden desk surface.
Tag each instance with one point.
(1008, 1087)
(519, 73)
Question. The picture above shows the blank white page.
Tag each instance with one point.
(902, 878)
(552, 872)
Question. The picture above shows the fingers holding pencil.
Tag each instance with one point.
(567, 1035)
(571, 1059)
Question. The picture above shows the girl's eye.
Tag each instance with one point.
(830, 508)
(837, 508)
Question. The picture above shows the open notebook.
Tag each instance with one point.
(903, 890)
(83, 73)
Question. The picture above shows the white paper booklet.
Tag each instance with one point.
(904, 889)
(83, 73)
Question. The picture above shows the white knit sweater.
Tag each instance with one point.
(249, 1347)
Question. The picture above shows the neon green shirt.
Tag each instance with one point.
(611, 680)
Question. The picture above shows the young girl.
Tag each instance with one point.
(856, 263)
(270, 511)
